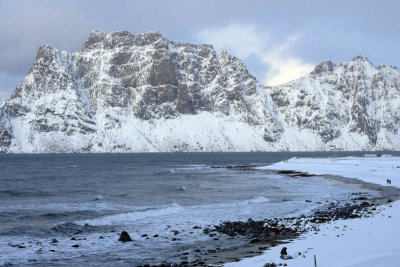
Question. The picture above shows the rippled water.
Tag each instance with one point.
(93, 197)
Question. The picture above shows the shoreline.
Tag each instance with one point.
(386, 195)
(359, 205)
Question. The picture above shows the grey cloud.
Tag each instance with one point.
(336, 30)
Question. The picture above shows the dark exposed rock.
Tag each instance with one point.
(323, 68)
(124, 237)
(175, 232)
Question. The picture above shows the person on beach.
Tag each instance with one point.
(284, 254)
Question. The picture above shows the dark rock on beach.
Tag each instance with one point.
(251, 228)
(175, 232)
(124, 237)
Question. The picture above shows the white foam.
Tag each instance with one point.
(191, 167)
(130, 217)
(256, 200)
(98, 198)
(67, 207)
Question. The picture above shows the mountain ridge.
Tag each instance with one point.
(124, 92)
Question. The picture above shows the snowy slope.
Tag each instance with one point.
(372, 241)
(350, 106)
(134, 93)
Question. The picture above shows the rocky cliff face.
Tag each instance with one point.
(353, 105)
(122, 92)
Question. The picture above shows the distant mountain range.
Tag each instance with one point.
(143, 93)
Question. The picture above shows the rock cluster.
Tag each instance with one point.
(256, 229)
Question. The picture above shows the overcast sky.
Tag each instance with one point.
(278, 40)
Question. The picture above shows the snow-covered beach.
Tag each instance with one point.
(367, 241)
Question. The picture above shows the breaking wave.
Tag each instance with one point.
(256, 200)
(95, 205)
(129, 217)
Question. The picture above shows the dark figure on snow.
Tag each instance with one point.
(284, 255)
(388, 181)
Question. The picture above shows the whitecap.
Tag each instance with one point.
(182, 188)
(129, 217)
(98, 198)
(256, 200)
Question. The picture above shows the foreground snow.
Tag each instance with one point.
(373, 241)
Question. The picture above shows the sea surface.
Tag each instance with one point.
(163, 200)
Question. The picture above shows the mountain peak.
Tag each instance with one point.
(361, 58)
(224, 56)
(101, 40)
(323, 67)
(96, 32)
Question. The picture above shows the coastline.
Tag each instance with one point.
(359, 205)
(191, 246)
(370, 240)
(386, 193)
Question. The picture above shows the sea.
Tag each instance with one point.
(69, 209)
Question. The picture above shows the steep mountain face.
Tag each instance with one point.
(124, 92)
(350, 106)
(135, 93)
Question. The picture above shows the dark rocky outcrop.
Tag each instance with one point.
(124, 237)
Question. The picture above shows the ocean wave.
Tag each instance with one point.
(70, 228)
(129, 217)
(256, 200)
(11, 192)
(191, 167)
(23, 193)
(95, 205)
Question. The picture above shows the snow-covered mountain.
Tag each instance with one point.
(123, 92)
(350, 106)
